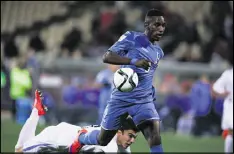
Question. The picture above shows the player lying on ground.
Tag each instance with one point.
(141, 52)
(224, 87)
(63, 137)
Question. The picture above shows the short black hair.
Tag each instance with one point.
(128, 124)
(154, 12)
(50, 149)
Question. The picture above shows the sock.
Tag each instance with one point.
(225, 134)
(89, 138)
(156, 148)
(228, 144)
(28, 129)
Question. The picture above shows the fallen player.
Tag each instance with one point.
(63, 137)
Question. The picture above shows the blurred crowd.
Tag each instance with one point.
(206, 39)
(190, 106)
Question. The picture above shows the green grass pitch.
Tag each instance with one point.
(171, 142)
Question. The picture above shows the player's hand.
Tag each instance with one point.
(225, 94)
(142, 63)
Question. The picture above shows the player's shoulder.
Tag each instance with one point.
(65, 125)
(129, 35)
(228, 72)
(132, 34)
(135, 33)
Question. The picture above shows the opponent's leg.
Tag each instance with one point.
(98, 137)
(227, 124)
(228, 143)
(109, 126)
(94, 137)
(29, 128)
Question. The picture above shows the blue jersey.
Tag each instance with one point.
(137, 45)
(201, 98)
(105, 77)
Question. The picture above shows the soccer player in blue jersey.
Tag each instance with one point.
(140, 52)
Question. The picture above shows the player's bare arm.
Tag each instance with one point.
(113, 58)
(217, 94)
(19, 150)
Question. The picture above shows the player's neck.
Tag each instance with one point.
(151, 41)
(118, 142)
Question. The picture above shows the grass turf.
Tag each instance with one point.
(171, 142)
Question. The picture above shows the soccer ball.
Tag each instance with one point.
(125, 79)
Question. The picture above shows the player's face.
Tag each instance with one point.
(156, 28)
(126, 138)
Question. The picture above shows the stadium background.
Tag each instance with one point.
(62, 44)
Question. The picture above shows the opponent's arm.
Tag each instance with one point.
(19, 150)
(219, 87)
(219, 94)
(113, 58)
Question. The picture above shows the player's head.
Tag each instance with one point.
(50, 149)
(154, 24)
(127, 133)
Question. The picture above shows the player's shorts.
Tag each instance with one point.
(138, 112)
(227, 118)
(34, 144)
(36, 147)
(52, 136)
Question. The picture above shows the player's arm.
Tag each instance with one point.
(113, 58)
(20, 149)
(115, 54)
(219, 94)
(218, 88)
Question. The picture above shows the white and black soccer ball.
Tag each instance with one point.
(125, 79)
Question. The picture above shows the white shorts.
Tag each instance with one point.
(34, 144)
(53, 136)
(227, 118)
(36, 147)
